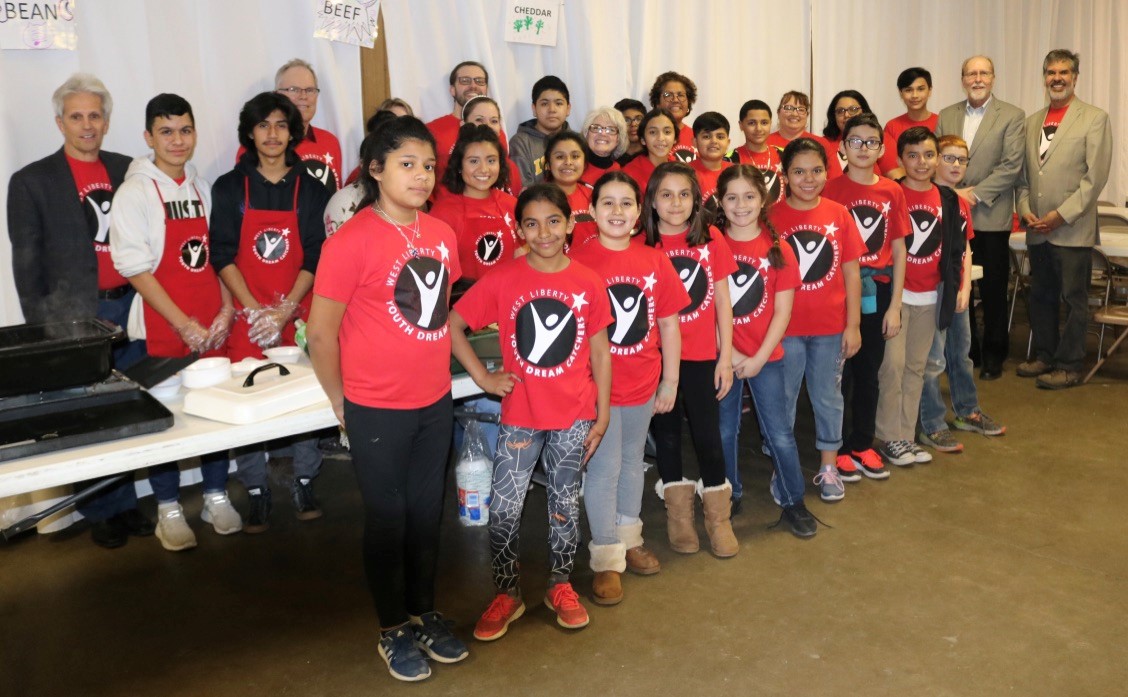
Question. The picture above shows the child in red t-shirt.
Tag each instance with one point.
(472, 200)
(756, 124)
(646, 295)
(922, 311)
(877, 205)
(762, 292)
(711, 138)
(563, 166)
(484, 111)
(552, 316)
(823, 332)
(380, 345)
(675, 222)
(657, 134)
(915, 86)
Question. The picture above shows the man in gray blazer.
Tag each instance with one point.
(1068, 154)
(59, 221)
(994, 131)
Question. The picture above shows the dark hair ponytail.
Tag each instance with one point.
(388, 136)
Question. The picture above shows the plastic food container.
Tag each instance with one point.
(283, 354)
(167, 389)
(245, 366)
(51, 356)
(206, 372)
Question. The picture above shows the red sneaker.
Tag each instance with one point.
(495, 620)
(847, 470)
(869, 463)
(562, 600)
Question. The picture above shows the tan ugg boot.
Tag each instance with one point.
(679, 516)
(640, 560)
(608, 562)
(718, 519)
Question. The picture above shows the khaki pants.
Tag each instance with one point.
(901, 377)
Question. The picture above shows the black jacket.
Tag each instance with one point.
(952, 247)
(53, 258)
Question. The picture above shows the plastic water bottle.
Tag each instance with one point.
(474, 478)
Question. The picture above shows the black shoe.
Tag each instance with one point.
(991, 373)
(304, 502)
(109, 534)
(258, 515)
(737, 507)
(800, 520)
(135, 523)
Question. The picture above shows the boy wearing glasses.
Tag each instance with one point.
(878, 207)
(950, 347)
(319, 150)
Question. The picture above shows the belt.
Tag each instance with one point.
(114, 293)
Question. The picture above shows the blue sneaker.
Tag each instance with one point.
(405, 662)
(830, 484)
(434, 638)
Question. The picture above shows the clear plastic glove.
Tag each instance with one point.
(193, 334)
(220, 327)
(268, 322)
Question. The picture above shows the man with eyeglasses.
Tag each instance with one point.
(995, 134)
(319, 150)
(1068, 155)
(469, 79)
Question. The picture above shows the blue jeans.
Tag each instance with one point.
(819, 360)
(614, 482)
(767, 392)
(250, 462)
(127, 352)
(949, 351)
(165, 479)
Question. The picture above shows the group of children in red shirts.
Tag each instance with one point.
(654, 295)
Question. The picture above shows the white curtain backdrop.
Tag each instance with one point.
(215, 53)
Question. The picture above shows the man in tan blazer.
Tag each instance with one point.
(1068, 153)
(995, 134)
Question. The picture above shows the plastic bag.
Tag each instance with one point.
(474, 476)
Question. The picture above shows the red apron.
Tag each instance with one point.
(186, 274)
(270, 257)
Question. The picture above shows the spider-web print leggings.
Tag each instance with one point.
(518, 450)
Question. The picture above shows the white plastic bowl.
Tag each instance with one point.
(167, 389)
(283, 354)
(206, 372)
(247, 366)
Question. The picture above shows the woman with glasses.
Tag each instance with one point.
(794, 107)
(605, 133)
(676, 93)
(844, 106)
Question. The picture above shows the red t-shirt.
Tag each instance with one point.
(879, 212)
(580, 203)
(1049, 128)
(767, 162)
(833, 167)
(395, 339)
(485, 228)
(707, 178)
(699, 268)
(685, 149)
(822, 239)
(753, 289)
(893, 130)
(592, 173)
(95, 194)
(640, 170)
(320, 153)
(445, 130)
(642, 286)
(922, 270)
(545, 321)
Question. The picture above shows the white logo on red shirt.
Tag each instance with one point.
(272, 245)
(194, 254)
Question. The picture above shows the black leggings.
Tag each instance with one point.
(697, 399)
(400, 458)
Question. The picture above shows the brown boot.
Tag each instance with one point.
(679, 516)
(608, 562)
(640, 560)
(718, 523)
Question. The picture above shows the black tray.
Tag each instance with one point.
(43, 428)
(43, 357)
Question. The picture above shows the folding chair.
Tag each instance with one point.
(1109, 315)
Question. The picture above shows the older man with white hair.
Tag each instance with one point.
(319, 150)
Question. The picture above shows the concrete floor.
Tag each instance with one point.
(997, 571)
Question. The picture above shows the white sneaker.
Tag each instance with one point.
(221, 514)
(172, 528)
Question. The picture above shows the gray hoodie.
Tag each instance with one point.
(526, 148)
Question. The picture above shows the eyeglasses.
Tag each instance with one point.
(792, 109)
(295, 91)
(851, 110)
(605, 130)
(634, 120)
(467, 81)
(953, 159)
(857, 143)
(979, 74)
(675, 96)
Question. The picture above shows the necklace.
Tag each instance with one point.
(411, 248)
